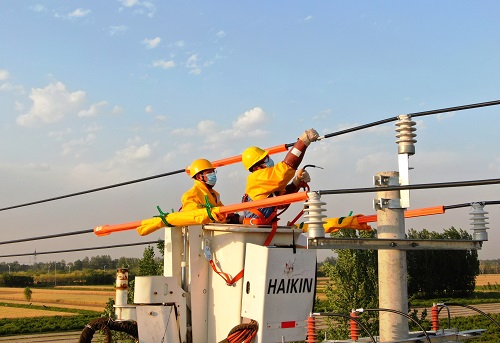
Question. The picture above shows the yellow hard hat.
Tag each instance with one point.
(252, 155)
(199, 165)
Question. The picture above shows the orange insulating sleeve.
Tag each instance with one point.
(267, 202)
(435, 318)
(354, 329)
(311, 330)
(105, 230)
(236, 159)
(419, 212)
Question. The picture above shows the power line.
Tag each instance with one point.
(329, 192)
(47, 236)
(416, 114)
(80, 249)
(415, 186)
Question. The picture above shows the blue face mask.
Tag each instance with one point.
(211, 179)
(269, 163)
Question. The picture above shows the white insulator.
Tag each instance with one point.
(313, 209)
(406, 136)
(479, 222)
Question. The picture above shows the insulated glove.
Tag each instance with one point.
(310, 135)
(301, 176)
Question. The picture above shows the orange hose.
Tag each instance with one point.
(105, 230)
(236, 159)
(272, 201)
(418, 212)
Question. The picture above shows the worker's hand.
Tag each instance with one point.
(310, 135)
(301, 176)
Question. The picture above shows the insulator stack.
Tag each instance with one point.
(354, 327)
(312, 208)
(479, 222)
(435, 317)
(406, 137)
(311, 330)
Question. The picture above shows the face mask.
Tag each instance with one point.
(269, 163)
(211, 179)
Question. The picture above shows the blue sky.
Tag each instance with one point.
(99, 92)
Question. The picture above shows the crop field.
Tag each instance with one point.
(78, 298)
(16, 312)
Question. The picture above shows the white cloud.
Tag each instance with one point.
(140, 7)
(39, 166)
(192, 64)
(92, 128)
(69, 147)
(250, 120)
(38, 8)
(164, 64)
(152, 43)
(161, 118)
(444, 116)
(133, 153)
(117, 110)
(207, 127)
(93, 110)
(4, 74)
(119, 29)
(373, 161)
(51, 104)
(180, 44)
(59, 135)
(149, 109)
(221, 34)
(78, 13)
(9, 87)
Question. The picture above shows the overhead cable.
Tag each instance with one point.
(415, 186)
(80, 249)
(338, 133)
(47, 236)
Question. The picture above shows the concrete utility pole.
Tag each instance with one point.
(392, 268)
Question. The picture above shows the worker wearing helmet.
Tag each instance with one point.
(205, 177)
(267, 179)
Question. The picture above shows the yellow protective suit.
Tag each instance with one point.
(333, 225)
(265, 181)
(183, 218)
(194, 198)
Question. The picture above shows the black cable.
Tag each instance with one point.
(456, 108)
(449, 315)
(93, 190)
(415, 186)
(80, 249)
(400, 313)
(416, 114)
(467, 204)
(474, 309)
(48, 236)
(331, 314)
(329, 192)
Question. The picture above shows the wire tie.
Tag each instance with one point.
(208, 206)
(163, 216)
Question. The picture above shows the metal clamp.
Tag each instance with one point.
(206, 250)
(380, 204)
(381, 180)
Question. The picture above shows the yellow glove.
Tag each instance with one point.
(150, 225)
(333, 225)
